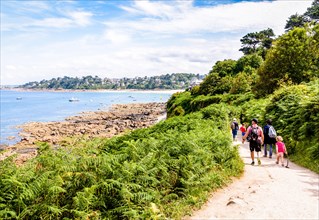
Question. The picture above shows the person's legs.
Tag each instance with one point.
(258, 149)
(270, 150)
(265, 150)
(277, 157)
(252, 153)
(282, 158)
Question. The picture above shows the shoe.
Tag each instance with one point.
(253, 163)
(269, 157)
(259, 162)
(277, 162)
(265, 156)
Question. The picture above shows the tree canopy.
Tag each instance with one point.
(311, 15)
(225, 74)
(313, 12)
(215, 83)
(293, 59)
(257, 42)
(295, 21)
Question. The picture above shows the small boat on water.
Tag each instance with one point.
(73, 99)
(19, 98)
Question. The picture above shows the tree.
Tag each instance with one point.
(293, 59)
(266, 37)
(295, 21)
(241, 83)
(253, 60)
(311, 15)
(219, 78)
(257, 42)
(224, 68)
(249, 43)
(313, 12)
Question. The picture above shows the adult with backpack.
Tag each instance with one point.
(234, 128)
(255, 136)
(270, 137)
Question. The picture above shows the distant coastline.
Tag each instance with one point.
(19, 106)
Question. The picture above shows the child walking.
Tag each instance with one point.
(242, 129)
(280, 149)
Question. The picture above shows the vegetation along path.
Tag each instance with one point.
(269, 191)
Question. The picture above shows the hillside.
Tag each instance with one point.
(168, 81)
(168, 170)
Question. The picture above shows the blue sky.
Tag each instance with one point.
(114, 39)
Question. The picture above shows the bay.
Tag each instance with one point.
(19, 107)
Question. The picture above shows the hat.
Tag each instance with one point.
(255, 120)
(234, 119)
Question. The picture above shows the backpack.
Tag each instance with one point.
(253, 134)
(233, 126)
(272, 132)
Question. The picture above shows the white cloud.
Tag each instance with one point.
(151, 38)
(183, 18)
(11, 67)
(36, 5)
(52, 22)
(80, 18)
(164, 10)
(71, 19)
(116, 36)
(79, 59)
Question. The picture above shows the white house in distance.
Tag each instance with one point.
(195, 81)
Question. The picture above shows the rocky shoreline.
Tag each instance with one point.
(118, 119)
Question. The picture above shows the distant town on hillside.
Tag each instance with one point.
(168, 81)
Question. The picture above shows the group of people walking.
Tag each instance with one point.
(258, 137)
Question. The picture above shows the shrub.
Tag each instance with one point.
(295, 114)
(154, 173)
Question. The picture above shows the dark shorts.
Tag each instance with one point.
(234, 131)
(254, 146)
(243, 133)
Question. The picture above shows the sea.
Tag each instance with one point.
(19, 107)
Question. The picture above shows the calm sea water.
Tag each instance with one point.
(19, 107)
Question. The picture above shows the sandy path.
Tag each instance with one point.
(269, 191)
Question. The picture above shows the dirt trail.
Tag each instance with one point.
(269, 191)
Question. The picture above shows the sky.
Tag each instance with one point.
(47, 39)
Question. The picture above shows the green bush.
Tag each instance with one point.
(254, 108)
(155, 173)
(295, 114)
(182, 99)
(178, 111)
(203, 101)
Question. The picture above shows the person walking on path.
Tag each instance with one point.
(255, 136)
(234, 127)
(243, 129)
(280, 149)
(270, 137)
